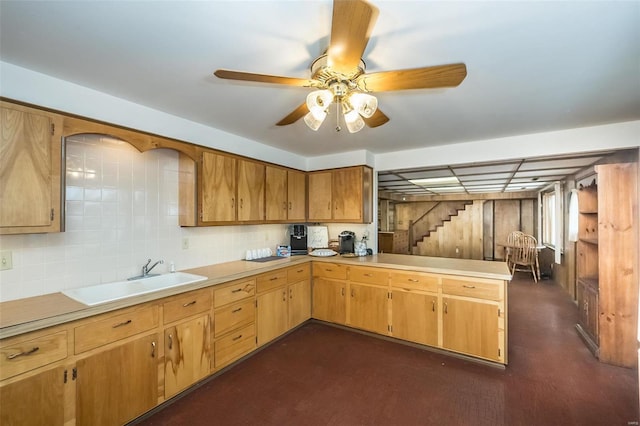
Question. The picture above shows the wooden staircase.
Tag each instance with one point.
(457, 236)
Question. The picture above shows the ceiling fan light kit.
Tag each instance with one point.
(340, 79)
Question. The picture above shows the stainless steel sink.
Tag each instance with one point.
(109, 292)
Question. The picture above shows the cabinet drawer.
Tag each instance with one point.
(414, 280)
(235, 345)
(368, 275)
(114, 328)
(234, 292)
(234, 316)
(329, 270)
(186, 305)
(21, 356)
(299, 273)
(481, 290)
(266, 282)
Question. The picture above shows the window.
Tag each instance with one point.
(549, 218)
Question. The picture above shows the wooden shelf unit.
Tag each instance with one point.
(607, 264)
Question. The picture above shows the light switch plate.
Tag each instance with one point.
(5, 260)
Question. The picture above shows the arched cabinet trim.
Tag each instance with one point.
(141, 141)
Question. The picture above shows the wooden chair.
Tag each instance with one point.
(525, 254)
(509, 248)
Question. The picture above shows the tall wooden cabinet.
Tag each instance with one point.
(30, 170)
(607, 264)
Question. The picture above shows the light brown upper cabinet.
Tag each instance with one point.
(231, 189)
(296, 196)
(30, 163)
(286, 195)
(276, 193)
(217, 195)
(250, 191)
(341, 195)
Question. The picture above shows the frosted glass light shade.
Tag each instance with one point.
(314, 120)
(365, 104)
(318, 101)
(354, 122)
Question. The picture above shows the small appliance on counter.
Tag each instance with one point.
(298, 237)
(347, 242)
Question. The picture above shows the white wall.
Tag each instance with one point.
(121, 209)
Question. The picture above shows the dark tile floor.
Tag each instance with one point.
(322, 375)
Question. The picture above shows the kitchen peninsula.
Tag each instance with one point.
(177, 337)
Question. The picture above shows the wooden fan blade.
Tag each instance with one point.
(416, 78)
(265, 78)
(351, 26)
(294, 116)
(377, 119)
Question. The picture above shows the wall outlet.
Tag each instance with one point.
(185, 243)
(5, 260)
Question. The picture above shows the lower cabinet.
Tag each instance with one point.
(369, 308)
(187, 355)
(283, 308)
(234, 326)
(37, 400)
(415, 316)
(587, 298)
(329, 300)
(299, 302)
(471, 327)
(119, 384)
(271, 315)
(235, 345)
(113, 367)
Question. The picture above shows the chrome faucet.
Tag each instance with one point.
(146, 269)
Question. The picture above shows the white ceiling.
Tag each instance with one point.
(532, 66)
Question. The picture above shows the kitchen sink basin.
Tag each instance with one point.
(109, 292)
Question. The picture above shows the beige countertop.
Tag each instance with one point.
(35, 313)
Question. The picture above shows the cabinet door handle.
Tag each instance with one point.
(29, 352)
(236, 310)
(121, 324)
(237, 337)
(284, 296)
(233, 203)
(290, 294)
(153, 349)
(367, 275)
(290, 205)
(170, 342)
(241, 202)
(468, 286)
(412, 280)
(193, 302)
(342, 291)
(352, 293)
(284, 205)
(446, 311)
(433, 305)
(236, 290)
(273, 278)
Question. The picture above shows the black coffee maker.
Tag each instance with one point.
(347, 242)
(298, 238)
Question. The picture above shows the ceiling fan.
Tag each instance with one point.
(339, 75)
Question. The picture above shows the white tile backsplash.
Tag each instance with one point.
(121, 209)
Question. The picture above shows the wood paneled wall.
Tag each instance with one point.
(477, 231)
